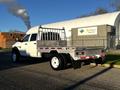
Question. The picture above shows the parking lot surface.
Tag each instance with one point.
(34, 74)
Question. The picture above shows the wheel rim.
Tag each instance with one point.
(14, 57)
(55, 62)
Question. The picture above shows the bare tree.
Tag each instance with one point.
(96, 12)
(13, 30)
(100, 11)
(115, 4)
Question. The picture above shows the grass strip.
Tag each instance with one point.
(112, 59)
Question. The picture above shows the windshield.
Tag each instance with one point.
(26, 38)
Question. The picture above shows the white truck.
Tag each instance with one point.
(52, 43)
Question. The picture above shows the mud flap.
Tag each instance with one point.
(76, 64)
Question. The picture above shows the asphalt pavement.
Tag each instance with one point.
(36, 74)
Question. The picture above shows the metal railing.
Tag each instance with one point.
(51, 34)
(51, 37)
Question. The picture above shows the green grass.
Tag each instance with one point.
(112, 59)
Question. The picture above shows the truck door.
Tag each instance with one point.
(24, 45)
(32, 46)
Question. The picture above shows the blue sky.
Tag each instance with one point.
(47, 11)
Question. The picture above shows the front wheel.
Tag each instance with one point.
(57, 62)
(15, 56)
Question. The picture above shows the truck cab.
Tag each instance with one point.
(27, 46)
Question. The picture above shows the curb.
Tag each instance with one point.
(106, 65)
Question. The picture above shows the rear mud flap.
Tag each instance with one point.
(76, 64)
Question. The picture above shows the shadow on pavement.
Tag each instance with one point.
(72, 87)
(6, 62)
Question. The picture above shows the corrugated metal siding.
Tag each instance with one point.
(109, 18)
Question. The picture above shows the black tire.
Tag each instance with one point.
(15, 56)
(58, 62)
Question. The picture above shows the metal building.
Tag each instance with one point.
(110, 19)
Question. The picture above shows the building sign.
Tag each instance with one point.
(87, 31)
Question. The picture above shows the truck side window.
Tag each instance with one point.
(26, 38)
(33, 37)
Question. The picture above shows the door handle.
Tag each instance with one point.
(34, 43)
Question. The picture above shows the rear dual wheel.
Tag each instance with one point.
(58, 62)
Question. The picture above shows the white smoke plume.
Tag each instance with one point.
(17, 10)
